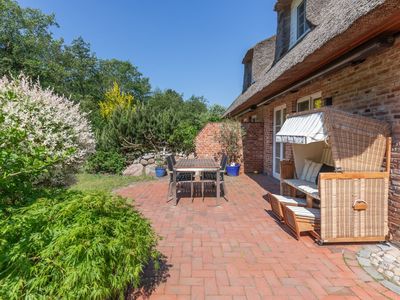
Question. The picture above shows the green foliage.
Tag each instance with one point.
(166, 120)
(28, 46)
(73, 245)
(105, 182)
(110, 162)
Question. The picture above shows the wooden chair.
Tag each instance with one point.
(278, 201)
(302, 219)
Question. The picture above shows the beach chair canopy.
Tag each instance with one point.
(357, 143)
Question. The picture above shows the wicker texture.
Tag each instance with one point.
(340, 220)
(358, 143)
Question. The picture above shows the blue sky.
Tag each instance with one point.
(193, 47)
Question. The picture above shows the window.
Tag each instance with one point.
(253, 118)
(298, 21)
(301, 19)
(313, 101)
(248, 78)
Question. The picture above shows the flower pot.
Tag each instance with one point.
(160, 171)
(233, 170)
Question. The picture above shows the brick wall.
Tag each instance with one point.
(372, 89)
(206, 142)
(207, 145)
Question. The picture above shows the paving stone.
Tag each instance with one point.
(374, 273)
(365, 262)
(393, 287)
(366, 253)
(237, 249)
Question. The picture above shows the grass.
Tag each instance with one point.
(106, 183)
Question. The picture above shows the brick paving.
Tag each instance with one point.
(237, 250)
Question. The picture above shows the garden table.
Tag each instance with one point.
(196, 166)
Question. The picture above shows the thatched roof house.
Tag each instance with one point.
(339, 53)
(335, 27)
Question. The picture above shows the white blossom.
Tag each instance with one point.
(49, 120)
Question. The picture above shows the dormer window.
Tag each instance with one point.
(301, 19)
(298, 25)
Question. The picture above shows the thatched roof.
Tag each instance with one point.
(337, 24)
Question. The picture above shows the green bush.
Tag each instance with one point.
(73, 245)
(110, 162)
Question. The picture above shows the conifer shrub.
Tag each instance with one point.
(73, 245)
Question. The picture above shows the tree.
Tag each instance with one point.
(114, 98)
(129, 79)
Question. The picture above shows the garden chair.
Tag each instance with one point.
(181, 177)
(212, 176)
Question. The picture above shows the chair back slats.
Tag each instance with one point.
(173, 159)
(224, 161)
(170, 163)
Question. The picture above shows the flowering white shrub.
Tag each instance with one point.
(40, 133)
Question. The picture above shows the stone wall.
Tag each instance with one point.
(372, 89)
(207, 145)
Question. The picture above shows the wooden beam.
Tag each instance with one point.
(354, 175)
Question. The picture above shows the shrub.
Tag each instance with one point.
(230, 138)
(73, 245)
(110, 162)
(43, 137)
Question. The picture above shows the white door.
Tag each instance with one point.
(278, 149)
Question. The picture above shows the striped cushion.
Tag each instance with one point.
(310, 170)
(290, 200)
(327, 157)
(305, 212)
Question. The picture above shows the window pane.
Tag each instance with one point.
(303, 105)
(278, 150)
(317, 103)
(278, 117)
(277, 165)
(301, 19)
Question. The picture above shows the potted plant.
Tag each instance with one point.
(160, 168)
(230, 138)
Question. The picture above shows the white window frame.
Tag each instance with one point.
(308, 99)
(253, 119)
(282, 152)
(293, 22)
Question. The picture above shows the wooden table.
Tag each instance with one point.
(197, 166)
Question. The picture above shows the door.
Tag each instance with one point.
(278, 148)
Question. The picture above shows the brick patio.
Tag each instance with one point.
(237, 250)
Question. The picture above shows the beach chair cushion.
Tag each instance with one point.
(305, 212)
(290, 200)
(310, 170)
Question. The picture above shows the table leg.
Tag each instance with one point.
(218, 187)
(174, 189)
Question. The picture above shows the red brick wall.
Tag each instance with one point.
(372, 89)
(253, 147)
(207, 145)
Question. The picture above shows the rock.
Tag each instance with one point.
(136, 161)
(150, 170)
(151, 161)
(389, 274)
(364, 253)
(396, 271)
(148, 156)
(389, 258)
(134, 170)
(365, 262)
(144, 162)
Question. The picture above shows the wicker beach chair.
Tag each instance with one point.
(302, 219)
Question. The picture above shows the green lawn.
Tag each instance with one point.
(106, 183)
